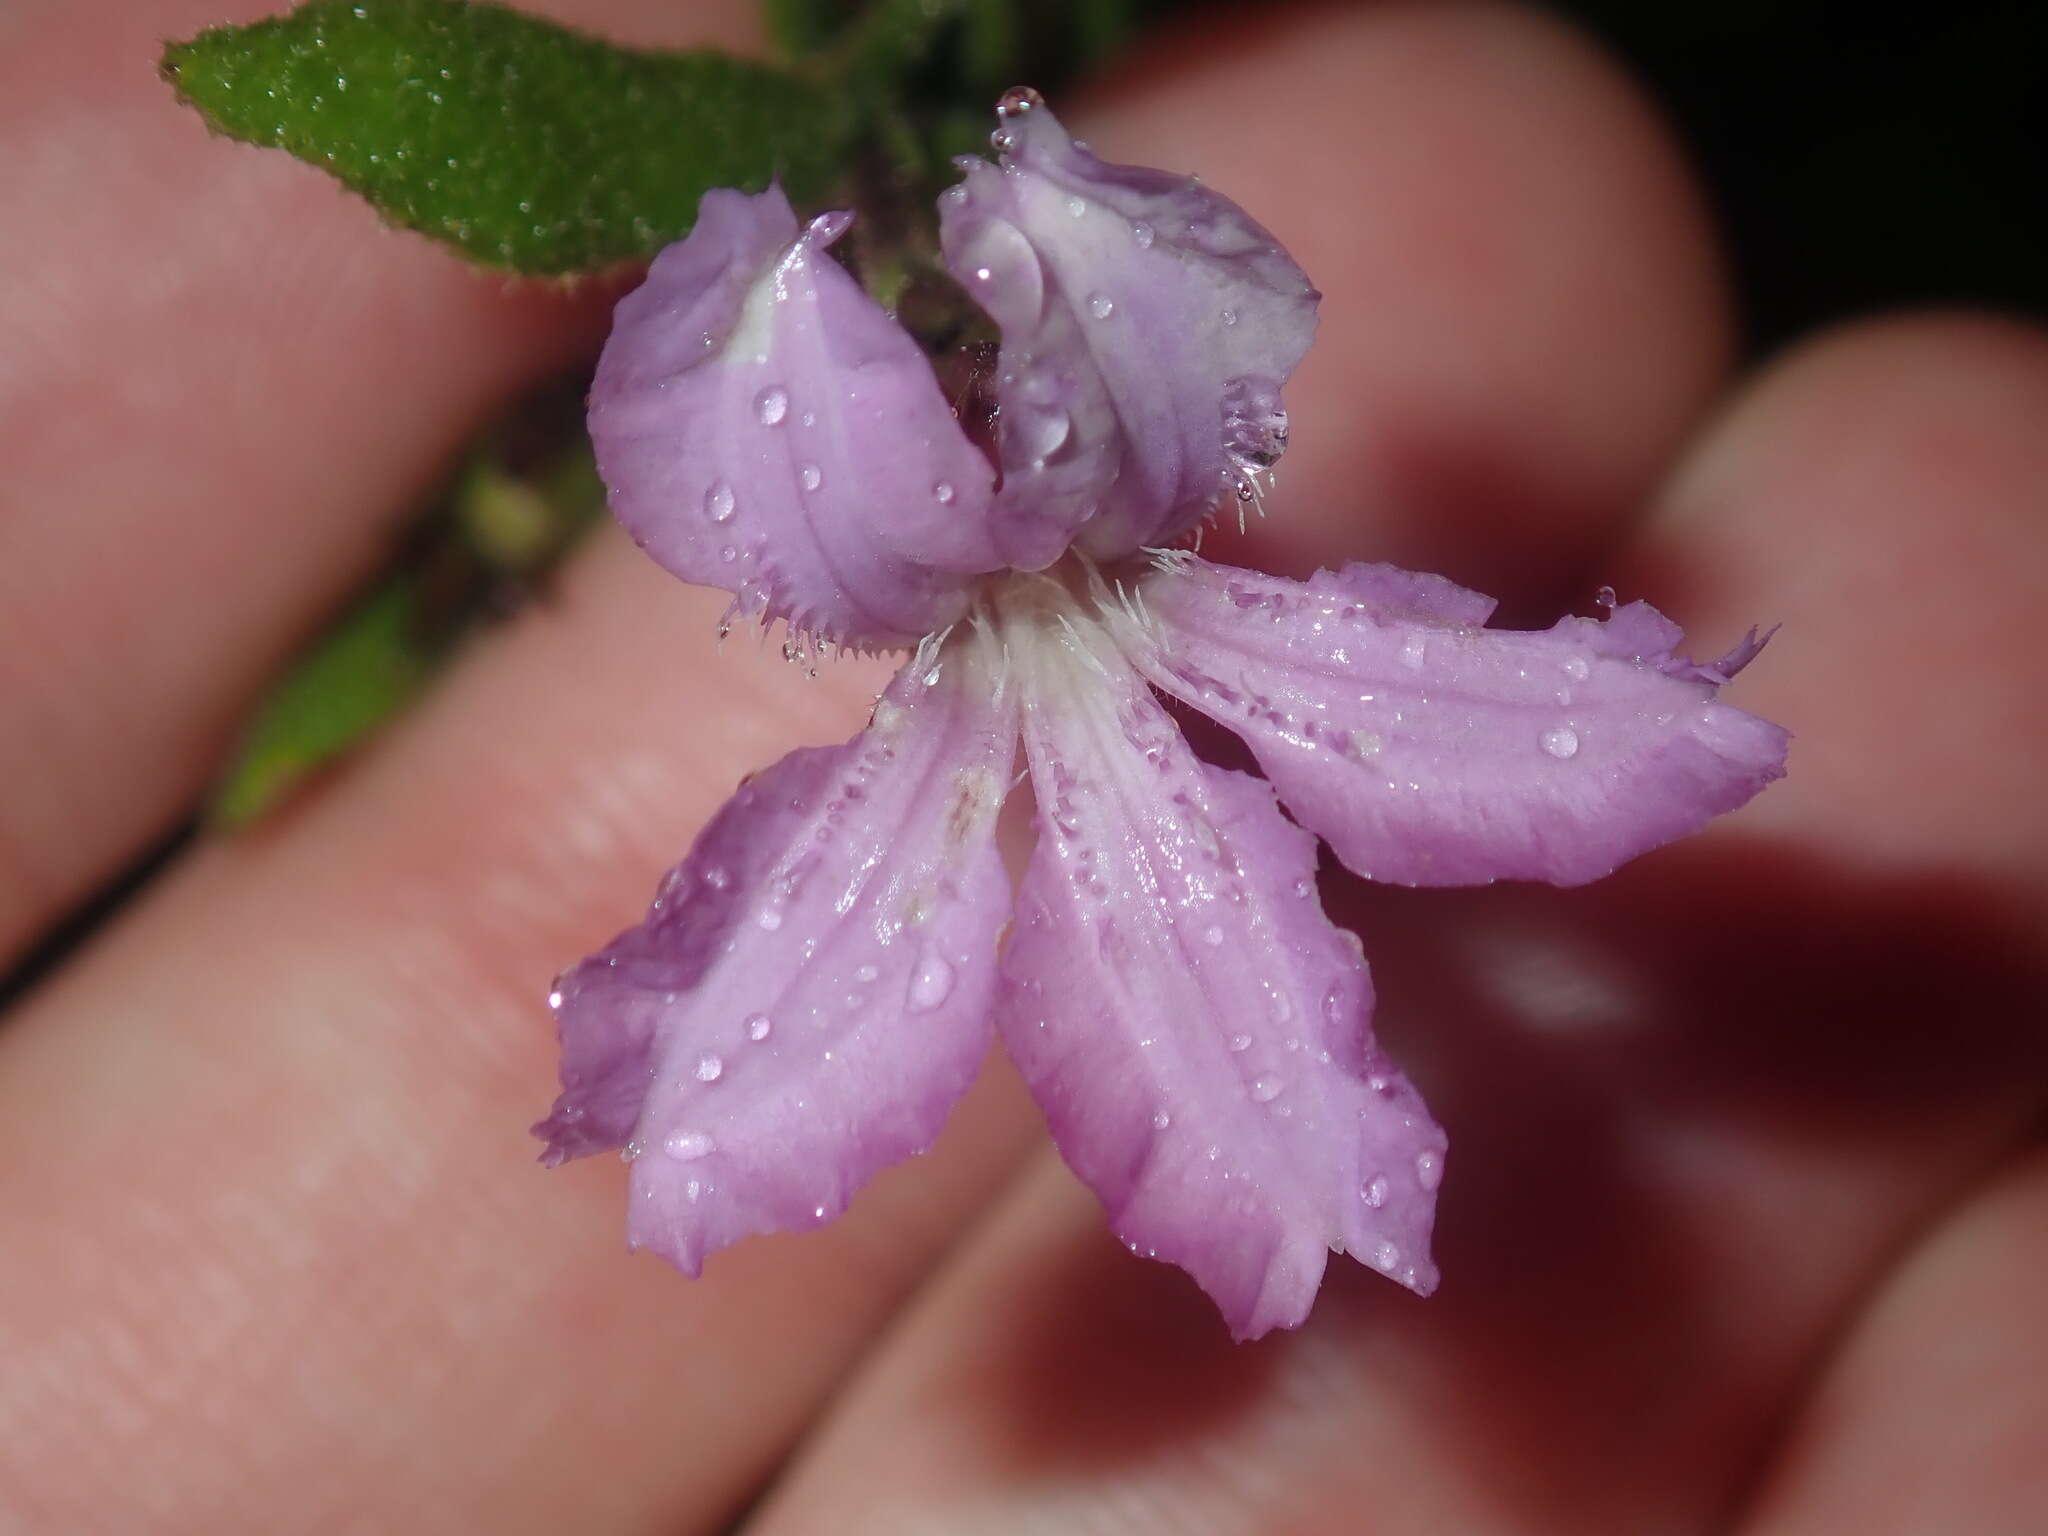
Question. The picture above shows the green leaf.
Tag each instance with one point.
(521, 143)
(356, 676)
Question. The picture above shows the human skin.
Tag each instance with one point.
(1745, 1213)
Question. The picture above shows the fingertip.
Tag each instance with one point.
(1879, 491)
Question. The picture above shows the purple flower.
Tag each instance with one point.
(817, 982)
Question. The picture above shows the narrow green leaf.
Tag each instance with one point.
(355, 677)
(521, 143)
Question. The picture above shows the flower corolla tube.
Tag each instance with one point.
(817, 982)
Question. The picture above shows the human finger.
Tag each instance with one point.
(224, 384)
(1693, 1110)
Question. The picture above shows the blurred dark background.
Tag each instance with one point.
(1861, 157)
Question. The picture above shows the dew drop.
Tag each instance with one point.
(1240, 1042)
(1560, 741)
(1101, 305)
(1266, 1089)
(770, 919)
(1212, 936)
(932, 984)
(1040, 432)
(1366, 743)
(555, 999)
(718, 502)
(687, 1146)
(709, 1068)
(1606, 599)
(812, 477)
(1576, 668)
(759, 1027)
(1142, 233)
(1161, 1120)
(818, 1212)
(866, 973)
(1018, 100)
(1429, 1170)
(1385, 1256)
(771, 405)
(1076, 206)
(728, 554)
(1413, 653)
(942, 493)
(1230, 317)
(1376, 1191)
(630, 1152)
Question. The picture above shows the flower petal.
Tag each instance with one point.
(1195, 1029)
(1148, 325)
(765, 427)
(1429, 751)
(811, 991)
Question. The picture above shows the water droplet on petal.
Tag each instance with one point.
(1212, 936)
(1039, 431)
(1142, 233)
(1605, 598)
(1240, 1042)
(1018, 100)
(1560, 741)
(770, 919)
(630, 1152)
(1161, 1120)
(1077, 206)
(1366, 743)
(1429, 1170)
(1376, 1191)
(1230, 317)
(1576, 668)
(771, 405)
(866, 973)
(1266, 1089)
(1413, 653)
(555, 999)
(759, 1026)
(687, 1146)
(1385, 1256)
(718, 502)
(932, 984)
(812, 477)
(942, 493)
(1101, 305)
(709, 1068)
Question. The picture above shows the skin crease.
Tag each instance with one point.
(1741, 1210)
